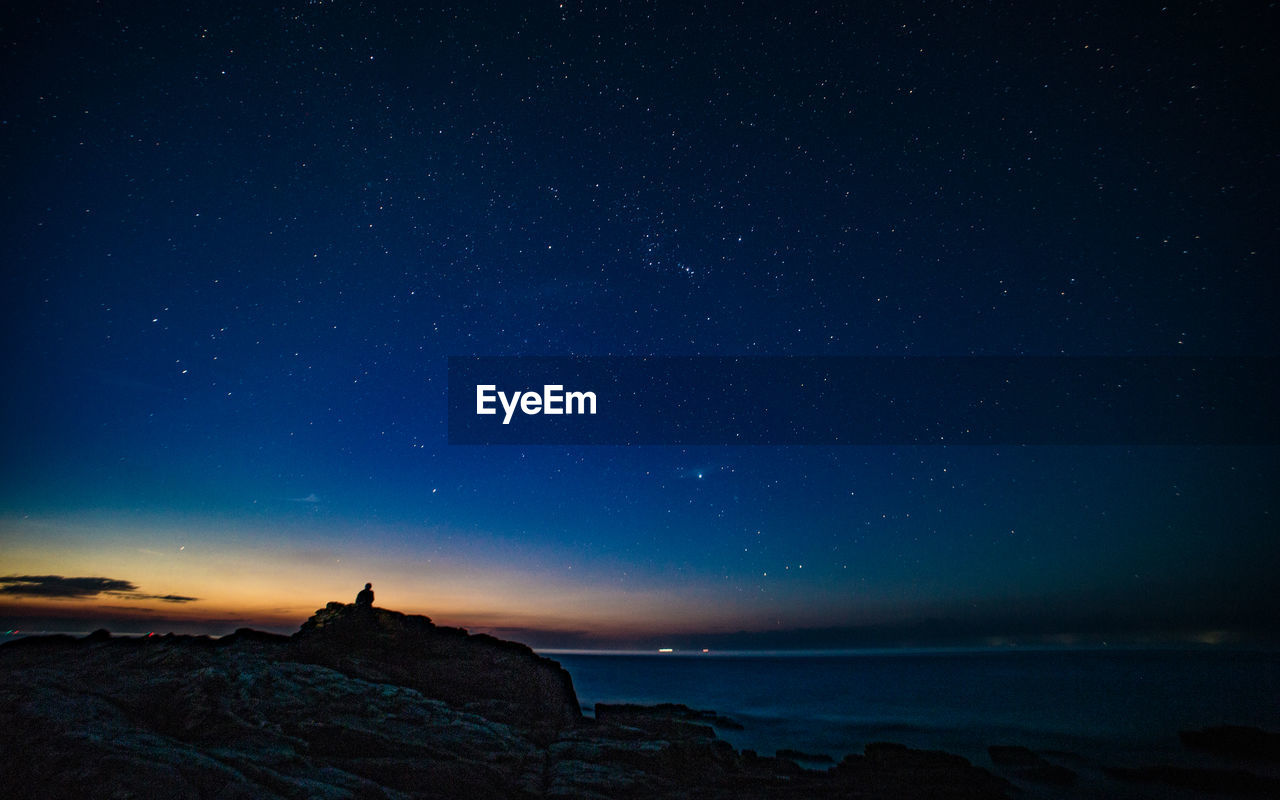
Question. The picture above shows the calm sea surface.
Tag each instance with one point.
(1087, 707)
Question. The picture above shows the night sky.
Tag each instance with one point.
(241, 241)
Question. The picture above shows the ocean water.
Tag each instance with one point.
(1083, 708)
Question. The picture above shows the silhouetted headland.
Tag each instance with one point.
(367, 702)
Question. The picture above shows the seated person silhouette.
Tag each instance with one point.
(364, 600)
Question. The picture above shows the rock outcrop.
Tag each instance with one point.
(370, 703)
(502, 680)
(182, 717)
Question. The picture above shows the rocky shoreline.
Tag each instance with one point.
(372, 703)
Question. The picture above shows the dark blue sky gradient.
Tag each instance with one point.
(241, 241)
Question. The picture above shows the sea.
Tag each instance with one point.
(1084, 709)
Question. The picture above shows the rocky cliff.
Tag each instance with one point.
(505, 681)
(378, 704)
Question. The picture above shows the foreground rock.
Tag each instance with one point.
(377, 704)
(1235, 745)
(1030, 766)
(1234, 740)
(1200, 779)
(501, 680)
(671, 713)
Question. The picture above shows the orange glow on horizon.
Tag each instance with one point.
(243, 577)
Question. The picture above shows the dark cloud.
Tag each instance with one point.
(167, 598)
(56, 586)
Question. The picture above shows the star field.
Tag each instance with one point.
(242, 242)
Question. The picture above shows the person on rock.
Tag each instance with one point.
(364, 599)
